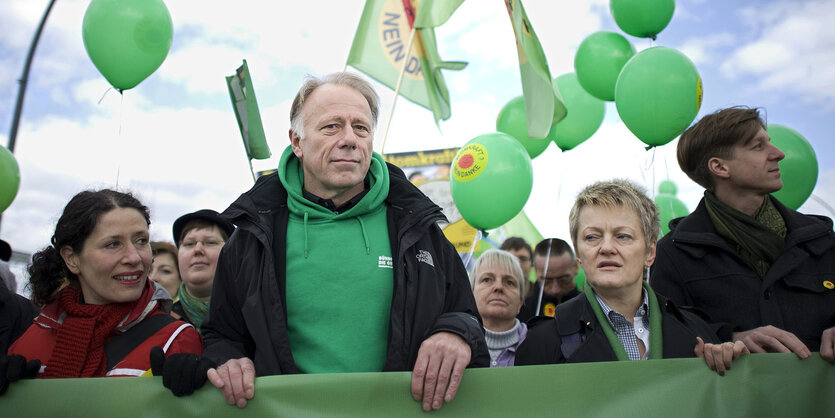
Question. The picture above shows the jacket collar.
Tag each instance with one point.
(695, 233)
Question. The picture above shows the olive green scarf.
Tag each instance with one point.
(656, 340)
(194, 308)
(758, 240)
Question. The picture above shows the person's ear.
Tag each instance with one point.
(650, 255)
(295, 143)
(718, 167)
(70, 259)
(575, 267)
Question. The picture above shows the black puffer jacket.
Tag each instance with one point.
(248, 312)
(696, 268)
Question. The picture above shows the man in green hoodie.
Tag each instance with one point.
(338, 265)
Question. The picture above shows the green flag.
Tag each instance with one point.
(434, 13)
(543, 103)
(379, 51)
(246, 112)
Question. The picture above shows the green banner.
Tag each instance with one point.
(760, 385)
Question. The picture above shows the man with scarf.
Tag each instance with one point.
(338, 264)
(761, 271)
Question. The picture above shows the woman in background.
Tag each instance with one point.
(165, 269)
(499, 289)
(200, 236)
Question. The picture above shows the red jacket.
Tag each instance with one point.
(177, 337)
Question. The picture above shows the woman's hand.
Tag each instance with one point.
(720, 356)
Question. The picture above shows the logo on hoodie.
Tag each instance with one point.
(423, 256)
(384, 262)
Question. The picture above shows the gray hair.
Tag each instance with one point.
(344, 78)
(503, 260)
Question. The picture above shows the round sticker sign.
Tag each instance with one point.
(469, 163)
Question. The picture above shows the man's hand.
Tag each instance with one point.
(236, 378)
(770, 339)
(828, 345)
(720, 356)
(440, 365)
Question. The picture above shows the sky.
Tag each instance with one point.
(173, 139)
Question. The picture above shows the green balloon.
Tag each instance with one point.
(642, 18)
(658, 94)
(585, 113)
(491, 180)
(9, 178)
(512, 120)
(599, 60)
(669, 208)
(667, 187)
(127, 40)
(799, 170)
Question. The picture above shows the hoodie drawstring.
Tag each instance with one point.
(305, 234)
(364, 235)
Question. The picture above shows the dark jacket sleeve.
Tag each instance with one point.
(16, 315)
(460, 315)
(224, 329)
(668, 279)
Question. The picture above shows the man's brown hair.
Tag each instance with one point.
(715, 135)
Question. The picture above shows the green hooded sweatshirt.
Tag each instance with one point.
(339, 276)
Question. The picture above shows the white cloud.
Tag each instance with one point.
(184, 156)
(793, 54)
(705, 50)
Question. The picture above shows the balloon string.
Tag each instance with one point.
(476, 238)
(119, 139)
(824, 204)
(652, 167)
(542, 279)
(559, 184)
(105, 94)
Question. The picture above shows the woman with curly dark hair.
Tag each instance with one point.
(101, 315)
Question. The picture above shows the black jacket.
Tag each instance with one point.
(16, 315)
(575, 335)
(247, 316)
(695, 267)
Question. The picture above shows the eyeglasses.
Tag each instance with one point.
(190, 245)
(561, 280)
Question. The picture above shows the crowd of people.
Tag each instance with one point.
(336, 264)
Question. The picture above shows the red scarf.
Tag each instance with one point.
(79, 347)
